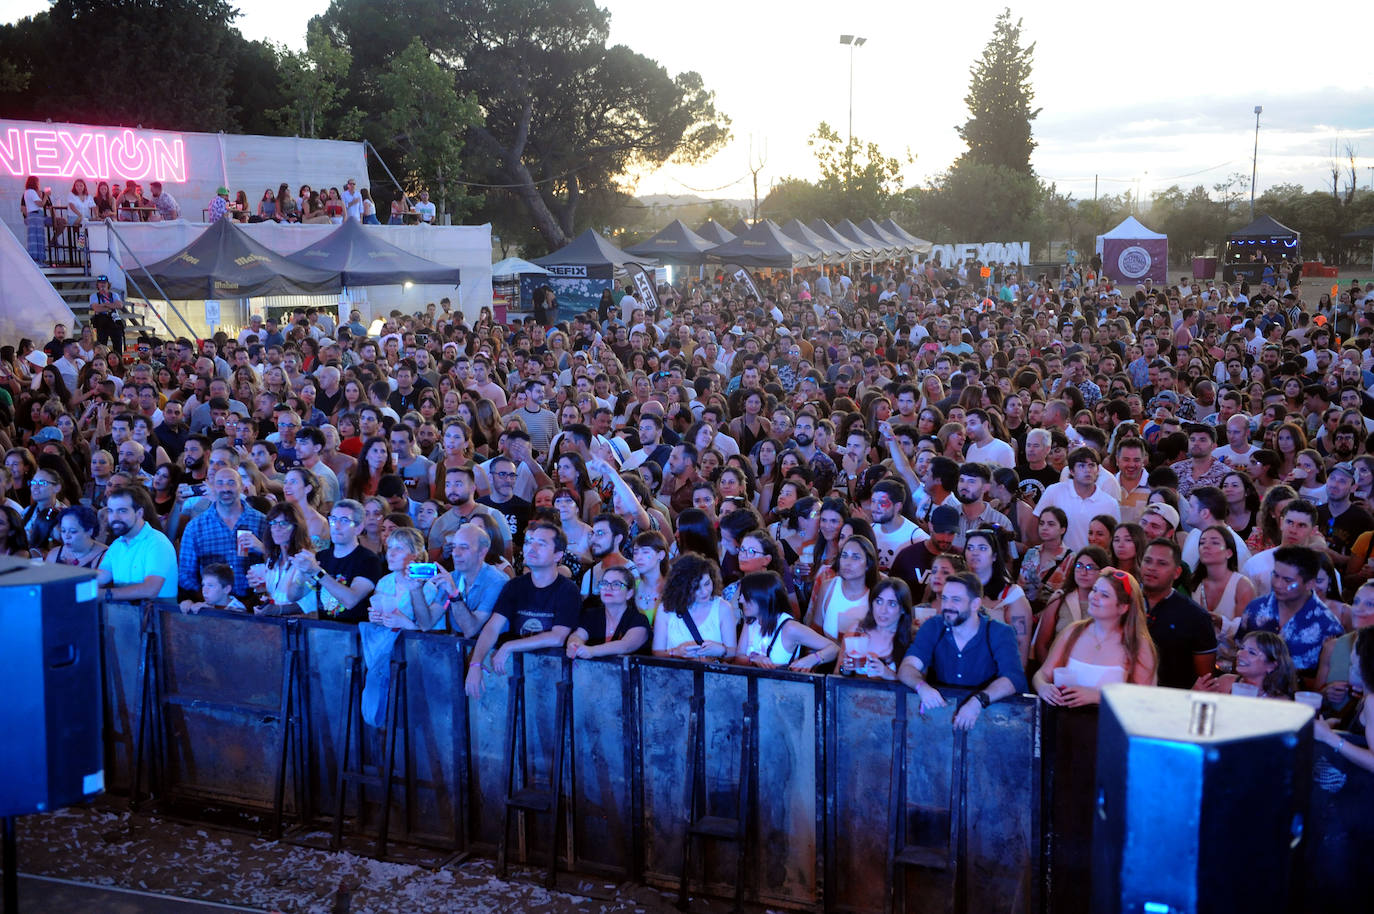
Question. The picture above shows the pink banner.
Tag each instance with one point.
(1131, 260)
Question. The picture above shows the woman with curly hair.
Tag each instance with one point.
(695, 622)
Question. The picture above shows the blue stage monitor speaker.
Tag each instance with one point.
(1200, 800)
(50, 703)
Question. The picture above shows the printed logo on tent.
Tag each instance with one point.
(1134, 262)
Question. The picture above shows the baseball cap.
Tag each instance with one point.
(45, 435)
(1345, 467)
(222, 191)
(1167, 512)
(944, 519)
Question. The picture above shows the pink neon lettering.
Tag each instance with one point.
(12, 153)
(169, 164)
(92, 154)
(80, 160)
(129, 155)
(43, 152)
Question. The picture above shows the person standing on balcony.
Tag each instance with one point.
(35, 220)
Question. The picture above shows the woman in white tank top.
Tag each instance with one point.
(771, 637)
(1111, 645)
(1221, 590)
(843, 601)
(694, 622)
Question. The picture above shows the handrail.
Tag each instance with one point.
(382, 162)
(109, 223)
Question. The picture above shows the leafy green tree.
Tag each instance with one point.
(998, 131)
(857, 180)
(790, 198)
(159, 63)
(565, 115)
(979, 202)
(313, 83)
(424, 117)
(255, 88)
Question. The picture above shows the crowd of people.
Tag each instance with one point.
(45, 211)
(1001, 484)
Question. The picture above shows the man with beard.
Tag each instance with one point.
(1201, 468)
(193, 462)
(976, 514)
(172, 431)
(212, 537)
(609, 535)
(141, 563)
(460, 489)
(893, 531)
(822, 467)
(963, 649)
(1340, 518)
(502, 471)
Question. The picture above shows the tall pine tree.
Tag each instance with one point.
(998, 131)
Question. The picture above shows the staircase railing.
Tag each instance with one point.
(109, 223)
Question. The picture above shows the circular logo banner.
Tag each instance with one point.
(1133, 262)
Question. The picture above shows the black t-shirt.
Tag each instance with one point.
(360, 563)
(594, 621)
(327, 403)
(1180, 629)
(516, 511)
(1034, 482)
(1342, 530)
(912, 564)
(531, 610)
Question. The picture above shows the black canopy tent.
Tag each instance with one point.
(224, 262)
(714, 232)
(765, 245)
(590, 249)
(740, 228)
(874, 230)
(834, 251)
(674, 243)
(1257, 246)
(1361, 234)
(361, 258)
(856, 250)
(881, 249)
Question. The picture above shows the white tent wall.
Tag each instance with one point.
(191, 166)
(29, 306)
(466, 247)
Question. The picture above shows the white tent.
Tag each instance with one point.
(1130, 229)
(29, 305)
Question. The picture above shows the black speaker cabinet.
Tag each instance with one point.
(50, 704)
(1200, 800)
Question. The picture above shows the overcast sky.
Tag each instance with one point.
(1159, 94)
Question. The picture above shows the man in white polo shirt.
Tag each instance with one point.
(141, 563)
(1080, 497)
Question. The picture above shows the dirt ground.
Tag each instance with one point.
(105, 844)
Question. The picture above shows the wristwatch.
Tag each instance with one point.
(983, 698)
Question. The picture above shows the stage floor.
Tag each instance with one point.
(48, 895)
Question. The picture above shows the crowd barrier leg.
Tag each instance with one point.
(701, 824)
(522, 799)
(148, 745)
(934, 857)
(353, 768)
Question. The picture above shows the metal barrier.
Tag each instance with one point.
(237, 709)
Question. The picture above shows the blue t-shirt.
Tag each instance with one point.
(989, 654)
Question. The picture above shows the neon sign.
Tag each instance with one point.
(92, 153)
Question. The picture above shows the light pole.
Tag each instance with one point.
(854, 41)
(1254, 162)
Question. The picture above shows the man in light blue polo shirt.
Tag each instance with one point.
(141, 564)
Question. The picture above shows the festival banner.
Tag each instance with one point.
(741, 275)
(644, 285)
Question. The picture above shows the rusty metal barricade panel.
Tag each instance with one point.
(1002, 833)
(858, 749)
(435, 738)
(790, 782)
(487, 720)
(602, 768)
(327, 646)
(221, 693)
(121, 648)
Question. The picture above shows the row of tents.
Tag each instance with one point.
(764, 244)
(225, 262)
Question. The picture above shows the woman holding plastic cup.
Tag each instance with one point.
(1112, 644)
(884, 634)
(1264, 669)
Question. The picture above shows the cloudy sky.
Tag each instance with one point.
(1146, 96)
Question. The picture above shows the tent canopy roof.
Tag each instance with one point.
(1264, 226)
(224, 262)
(514, 266)
(714, 232)
(1361, 233)
(589, 249)
(826, 230)
(877, 247)
(765, 245)
(674, 242)
(919, 245)
(361, 258)
(874, 230)
(797, 231)
(1131, 228)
